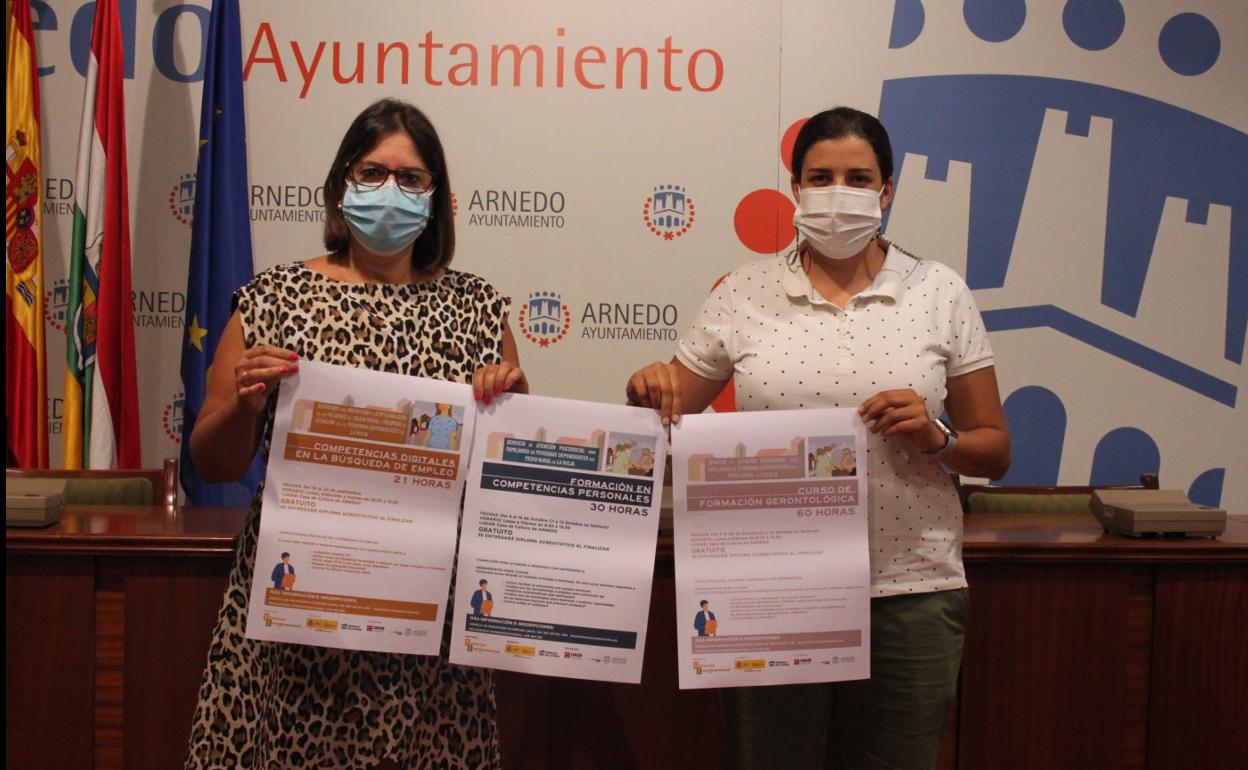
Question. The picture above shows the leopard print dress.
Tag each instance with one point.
(268, 705)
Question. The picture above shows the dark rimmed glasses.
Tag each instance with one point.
(371, 175)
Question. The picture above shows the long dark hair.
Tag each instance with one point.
(838, 123)
(436, 245)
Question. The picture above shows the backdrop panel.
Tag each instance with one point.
(1081, 163)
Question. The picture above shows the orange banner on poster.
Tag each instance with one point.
(344, 453)
(350, 605)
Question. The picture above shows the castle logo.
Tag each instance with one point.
(171, 417)
(545, 318)
(668, 212)
(55, 302)
(182, 199)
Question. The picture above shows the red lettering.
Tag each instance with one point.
(358, 75)
(667, 52)
(470, 65)
(517, 58)
(429, 46)
(265, 31)
(693, 70)
(600, 57)
(643, 66)
(559, 32)
(304, 70)
(704, 66)
(383, 51)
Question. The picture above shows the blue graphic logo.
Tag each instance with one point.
(1172, 204)
(545, 319)
(182, 199)
(55, 303)
(171, 417)
(668, 212)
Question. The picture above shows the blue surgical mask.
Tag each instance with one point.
(385, 219)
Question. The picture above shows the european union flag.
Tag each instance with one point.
(220, 240)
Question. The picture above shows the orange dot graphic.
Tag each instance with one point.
(764, 221)
(787, 142)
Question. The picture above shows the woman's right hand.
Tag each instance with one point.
(257, 372)
(657, 386)
(240, 381)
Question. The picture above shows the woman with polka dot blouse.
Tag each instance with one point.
(850, 320)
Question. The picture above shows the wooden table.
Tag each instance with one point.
(1087, 650)
(108, 616)
(1083, 650)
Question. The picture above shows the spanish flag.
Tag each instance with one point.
(101, 417)
(25, 364)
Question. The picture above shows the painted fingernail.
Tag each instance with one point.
(261, 386)
(294, 368)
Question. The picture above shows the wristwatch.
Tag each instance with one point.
(951, 438)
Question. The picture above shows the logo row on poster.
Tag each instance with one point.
(544, 319)
(668, 212)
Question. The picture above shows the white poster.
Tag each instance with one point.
(357, 534)
(556, 554)
(772, 567)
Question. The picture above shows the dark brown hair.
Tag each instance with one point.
(838, 123)
(436, 245)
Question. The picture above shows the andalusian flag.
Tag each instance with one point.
(220, 241)
(101, 418)
(25, 366)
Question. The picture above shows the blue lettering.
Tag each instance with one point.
(164, 50)
(43, 18)
(80, 36)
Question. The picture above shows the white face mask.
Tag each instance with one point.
(838, 222)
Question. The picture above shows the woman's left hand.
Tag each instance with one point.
(903, 413)
(491, 380)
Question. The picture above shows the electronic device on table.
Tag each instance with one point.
(33, 502)
(1139, 512)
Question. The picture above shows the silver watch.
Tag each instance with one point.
(951, 438)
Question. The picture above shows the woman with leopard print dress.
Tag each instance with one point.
(384, 299)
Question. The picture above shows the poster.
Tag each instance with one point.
(556, 556)
(770, 539)
(361, 502)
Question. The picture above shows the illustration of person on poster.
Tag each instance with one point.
(704, 622)
(443, 429)
(283, 576)
(482, 600)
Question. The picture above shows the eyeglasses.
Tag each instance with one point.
(371, 175)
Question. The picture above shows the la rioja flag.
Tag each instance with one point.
(101, 417)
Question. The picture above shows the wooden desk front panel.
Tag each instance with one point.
(1198, 694)
(171, 608)
(49, 662)
(104, 656)
(1054, 658)
(1081, 652)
